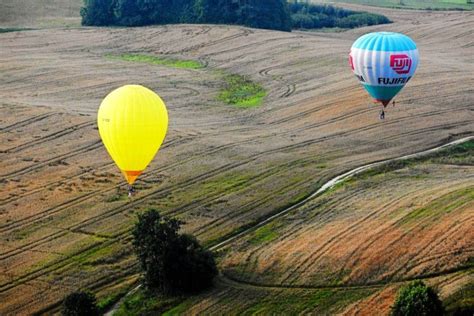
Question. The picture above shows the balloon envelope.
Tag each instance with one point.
(383, 62)
(132, 123)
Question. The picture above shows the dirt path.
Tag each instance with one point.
(331, 183)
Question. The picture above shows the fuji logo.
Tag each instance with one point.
(400, 63)
(351, 62)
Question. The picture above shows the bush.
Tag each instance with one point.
(417, 299)
(302, 21)
(80, 304)
(361, 19)
(313, 16)
(172, 263)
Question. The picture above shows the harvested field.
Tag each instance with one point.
(64, 215)
(236, 298)
(410, 221)
(239, 292)
(413, 4)
(40, 13)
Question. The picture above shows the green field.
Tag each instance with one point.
(154, 60)
(246, 300)
(142, 303)
(241, 92)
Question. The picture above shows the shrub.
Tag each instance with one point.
(80, 304)
(302, 21)
(417, 299)
(172, 263)
(313, 16)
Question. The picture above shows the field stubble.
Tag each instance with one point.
(63, 221)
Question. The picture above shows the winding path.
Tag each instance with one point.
(325, 187)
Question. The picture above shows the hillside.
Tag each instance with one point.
(413, 4)
(65, 218)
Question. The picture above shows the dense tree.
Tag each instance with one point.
(80, 304)
(137, 12)
(312, 16)
(218, 11)
(98, 12)
(265, 15)
(417, 299)
(268, 14)
(132, 12)
(172, 262)
(302, 21)
(146, 12)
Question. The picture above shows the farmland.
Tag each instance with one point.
(415, 4)
(65, 218)
(40, 13)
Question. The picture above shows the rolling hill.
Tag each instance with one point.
(65, 218)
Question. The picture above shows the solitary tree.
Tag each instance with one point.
(172, 263)
(80, 304)
(417, 299)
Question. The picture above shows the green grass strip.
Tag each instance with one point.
(13, 29)
(143, 302)
(107, 302)
(154, 60)
(440, 206)
(241, 92)
(264, 234)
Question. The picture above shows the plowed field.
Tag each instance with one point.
(64, 215)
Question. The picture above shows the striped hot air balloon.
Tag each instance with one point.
(383, 62)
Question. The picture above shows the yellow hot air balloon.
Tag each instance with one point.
(132, 123)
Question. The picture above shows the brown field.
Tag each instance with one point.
(412, 223)
(65, 220)
(40, 13)
(415, 222)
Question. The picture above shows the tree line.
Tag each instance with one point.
(312, 16)
(268, 14)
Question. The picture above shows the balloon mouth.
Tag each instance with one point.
(131, 175)
(384, 102)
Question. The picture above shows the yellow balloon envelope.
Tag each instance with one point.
(132, 123)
